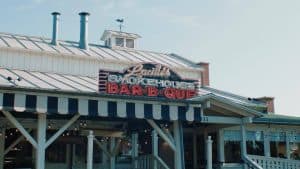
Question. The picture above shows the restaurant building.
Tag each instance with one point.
(77, 105)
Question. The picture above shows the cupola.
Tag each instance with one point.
(119, 39)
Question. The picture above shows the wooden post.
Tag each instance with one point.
(41, 140)
(104, 156)
(154, 147)
(2, 147)
(68, 155)
(209, 153)
(89, 164)
(112, 159)
(243, 142)
(179, 148)
(135, 146)
(221, 155)
(205, 135)
(195, 152)
(287, 145)
(267, 152)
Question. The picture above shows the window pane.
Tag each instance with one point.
(232, 152)
(56, 153)
(255, 148)
(130, 43)
(120, 42)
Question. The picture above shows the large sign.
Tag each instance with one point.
(152, 80)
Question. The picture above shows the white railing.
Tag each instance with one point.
(250, 163)
(148, 162)
(275, 163)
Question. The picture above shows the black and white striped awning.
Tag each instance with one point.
(102, 107)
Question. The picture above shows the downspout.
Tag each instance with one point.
(247, 160)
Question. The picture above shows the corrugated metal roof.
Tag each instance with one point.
(69, 48)
(47, 81)
(60, 82)
(120, 34)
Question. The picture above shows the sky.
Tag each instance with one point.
(252, 46)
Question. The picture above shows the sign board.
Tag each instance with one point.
(151, 80)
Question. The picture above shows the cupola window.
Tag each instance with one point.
(120, 42)
(129, 43)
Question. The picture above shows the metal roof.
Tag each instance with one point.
(99, 52)
(119, 34)
(72, 83)
(259, 105)
(277, 119)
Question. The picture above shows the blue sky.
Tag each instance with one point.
(252, 46)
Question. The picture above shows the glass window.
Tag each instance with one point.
(295, 152)
(278, 149)
(120, 42)
(129, 43)
(255, 148)
(56, 153)
(232, 152)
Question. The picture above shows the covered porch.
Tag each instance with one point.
(50, 130)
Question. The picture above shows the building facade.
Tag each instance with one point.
(77, 105)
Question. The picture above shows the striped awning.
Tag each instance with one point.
(102, 107)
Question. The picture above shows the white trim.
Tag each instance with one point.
(41, 104)
(19, 104)
(121, 109)
(62, 105)
(102, 108)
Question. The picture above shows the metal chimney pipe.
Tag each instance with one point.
(55, 27)
(83, 42)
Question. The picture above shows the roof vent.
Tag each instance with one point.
(119, 39)
(55, 27)
(83, 42)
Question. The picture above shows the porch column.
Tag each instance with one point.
(2, 147)
(154, 147)
(112, 160)
(243, 143)
(267, 151)
(69, 155)
(104, 156)
(205, 135)
(287, 145)
(195, 152)
(135, 146)
(89, 164)
(41, 140)
(179, 148)
(209, 153)
(221, 156)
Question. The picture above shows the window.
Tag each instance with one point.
(129, 43)
(232, 152)
(255, 148)
(120, 42)
(56, 153)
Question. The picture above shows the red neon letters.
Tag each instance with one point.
(151, 91)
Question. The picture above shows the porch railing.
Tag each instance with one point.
(275, 163)
(148, 162)
(250, 163)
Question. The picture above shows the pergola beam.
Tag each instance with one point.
(103, 147)
(162, 134)
(16, 142)
(15, 122)
(61, 130)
